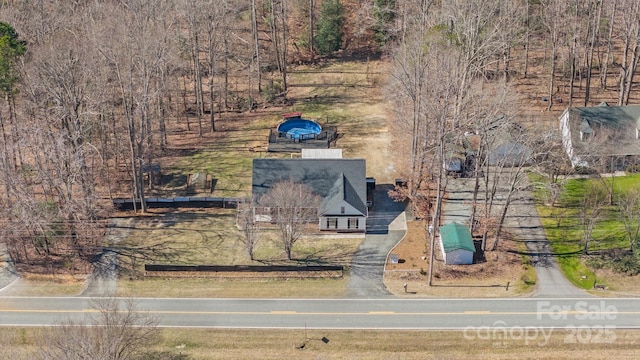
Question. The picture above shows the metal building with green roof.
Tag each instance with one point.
(456, 244)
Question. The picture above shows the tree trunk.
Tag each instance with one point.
(284, 45)
(633, 65)
(195, 56)
(624, 68)
(572, 71)
(441, 187)
(595, 34)
(605, 68)
(275, 37)
(311, 26)
(554, 49)
(184, 102)
(526, 40)
(254, 27)
(226, 71)
(212, 70)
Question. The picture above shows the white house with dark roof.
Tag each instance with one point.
(602, 130)
(340, 182)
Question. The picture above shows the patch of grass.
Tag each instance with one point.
(626, 183)
(529, 278)
(48, 285)
(229, 163)
(209, 237)
(577, 272)
(338, 95)
(564, 230)
(233, 287)
(538, 189)
(330, 98)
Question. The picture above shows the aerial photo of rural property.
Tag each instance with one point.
(319, 179)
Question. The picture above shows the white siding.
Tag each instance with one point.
(456, 257)
(348, 210)
(322, 153)
(459, 257)
(566, 134)
(342, 223)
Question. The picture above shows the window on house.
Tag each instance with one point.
(332, 223)
(583, 136)
(342, 210)
(352, 223)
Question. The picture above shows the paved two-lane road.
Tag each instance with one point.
(344, 313)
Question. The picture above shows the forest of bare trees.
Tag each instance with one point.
(452, 81)
(89, 87)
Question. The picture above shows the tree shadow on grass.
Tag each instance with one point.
(130, 257)
(547, 253)
(316, 257)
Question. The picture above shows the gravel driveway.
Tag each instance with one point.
(524, 223)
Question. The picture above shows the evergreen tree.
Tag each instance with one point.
(329, 36)
(10, 50)
(384, 14)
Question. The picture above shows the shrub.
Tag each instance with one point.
(585, 170)
(329, 36)
(635, 168)
(272, 90)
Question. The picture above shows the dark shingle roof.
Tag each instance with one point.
(621, 121)
(334, 180)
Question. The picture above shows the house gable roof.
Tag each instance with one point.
(620, 121)
(455, 237)
(614, 117)
(342, 191)
(335, 180)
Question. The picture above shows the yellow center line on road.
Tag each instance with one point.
(477, 312)
(382, 313)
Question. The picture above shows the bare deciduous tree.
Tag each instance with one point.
(629, 209)
(250, 228)
(487, 117)
(611, 11)
(592, 206)
(277, 21)
(520, 154)
(553, 19)
(631, 50)
(116, 331)
(484, 31)
(135, 56)
(293, 207)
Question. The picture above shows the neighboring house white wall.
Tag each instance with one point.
(566, 134)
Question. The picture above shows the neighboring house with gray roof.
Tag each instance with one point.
(340, 182)
(593, 132)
